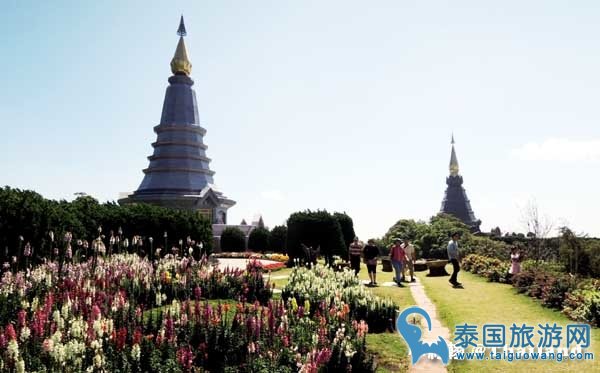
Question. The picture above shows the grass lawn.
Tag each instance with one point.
(390, 348)
(482, 302)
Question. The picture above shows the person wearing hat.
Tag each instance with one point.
(453, 257)
(398, 258)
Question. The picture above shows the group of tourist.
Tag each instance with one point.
(402, 256)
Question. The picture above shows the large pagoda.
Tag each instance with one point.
(455, 201)
(178, 175)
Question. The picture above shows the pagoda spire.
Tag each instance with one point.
(181, 29)
(453, 160)
(180, 64)
(455, 200)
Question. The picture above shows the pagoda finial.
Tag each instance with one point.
(452, 141)
(453, 160)
(180, 64)
(181, 30)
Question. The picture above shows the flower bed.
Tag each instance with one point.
(323, 285)
(251, 255)
(127, 314)
(579, 299)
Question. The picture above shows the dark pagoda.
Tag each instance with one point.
(178, 175)
(455, 201)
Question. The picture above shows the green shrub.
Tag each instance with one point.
(315, 229)
(27, 214)
(494, 270)
(583, 305)
(258, 240)
(233, 239)
(277, 239)
(555, 289)
(347, 226)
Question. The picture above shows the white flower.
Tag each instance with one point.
(136, 352)
(21, 366)
(13, 349)
(25, 334)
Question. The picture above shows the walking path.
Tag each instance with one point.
(425, 364)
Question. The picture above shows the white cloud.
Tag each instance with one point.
(557, 149)
(272, 195)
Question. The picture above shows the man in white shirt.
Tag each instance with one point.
(409, 249)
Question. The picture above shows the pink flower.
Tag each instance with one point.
(169, 329)
(185, 357)
(96, 313)
(48, 345)
(323, 356)
(27, 249)
(22, 317)
(10, 332)
(197, 292)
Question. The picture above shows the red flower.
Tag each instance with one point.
(137, 336)
(121, 338)
(10, 332)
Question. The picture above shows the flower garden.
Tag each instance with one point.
(176, 314)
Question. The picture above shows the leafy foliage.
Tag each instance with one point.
(29, 215)
(315, 229)
(347, 226)
(259, 240)
(233, 239)
(277, 239)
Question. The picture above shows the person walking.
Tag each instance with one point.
(354, 253)
(371, 254)
(409, 250)
(453, 257)
(398, 257)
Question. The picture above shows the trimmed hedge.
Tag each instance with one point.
(315, 229)
(233, 239)
(277, 239)
(27, 214)
(347, 226)
(258, 240)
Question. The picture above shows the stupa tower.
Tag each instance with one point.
(455, 200)
(178, 175)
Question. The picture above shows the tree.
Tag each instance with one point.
(316, 229)
(233, 239)
(259, 239)
(539, 227)
(277, 239)
(347, 226)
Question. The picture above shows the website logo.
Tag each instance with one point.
(412, 335)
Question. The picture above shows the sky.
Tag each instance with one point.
(339, 105)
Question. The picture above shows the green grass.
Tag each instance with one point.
(482, 302)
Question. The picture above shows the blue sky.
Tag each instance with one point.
(343, 105)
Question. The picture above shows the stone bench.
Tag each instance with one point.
(420, 265)
(437, 267)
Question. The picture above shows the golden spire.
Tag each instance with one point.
(180, 64)
(453, 160)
